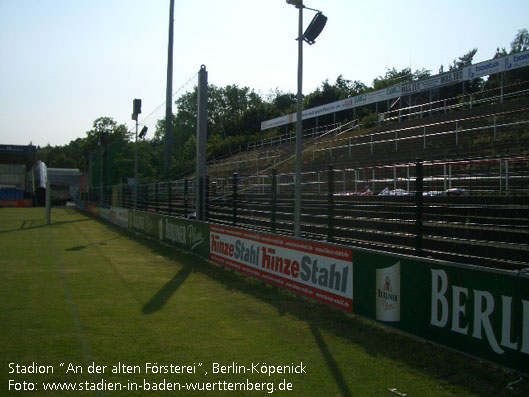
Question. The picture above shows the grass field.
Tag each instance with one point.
(82, 292)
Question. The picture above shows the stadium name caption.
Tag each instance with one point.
(260, 368)
(93, 368)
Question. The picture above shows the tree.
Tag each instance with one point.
(520, 42)
(116, 148)
(393, 77)
(458, 64)
(464, 60)
(350, 88)
(282, 102)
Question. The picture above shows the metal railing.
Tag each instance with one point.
(472, 211)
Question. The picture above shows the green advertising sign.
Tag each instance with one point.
(146, 223)
(186, 234)
(190, 235)
(477, 311)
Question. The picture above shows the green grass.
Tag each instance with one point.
(81, 291)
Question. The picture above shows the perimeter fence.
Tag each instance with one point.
(473, 211)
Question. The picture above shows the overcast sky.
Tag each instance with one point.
(64, 63)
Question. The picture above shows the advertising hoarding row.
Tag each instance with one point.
(478, 311)
(493, 66)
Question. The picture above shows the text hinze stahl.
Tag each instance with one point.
(266, 258)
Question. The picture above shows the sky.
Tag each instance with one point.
(64, 63)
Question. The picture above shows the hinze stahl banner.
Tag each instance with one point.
(477, 311)
(319, 271)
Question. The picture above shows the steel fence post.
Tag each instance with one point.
(206, 198)
(330, 203)
(234, 199)
(169, 197)
(273, 203)
(186, 196)
(419, 187)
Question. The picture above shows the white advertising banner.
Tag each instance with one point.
(516, 61)
(481, 69)
(120, 216)
(318, 271)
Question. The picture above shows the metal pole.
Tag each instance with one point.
(169, 198)
(200, 199)
(330, 203)
(418, 206)
(502, 74)
(100, 169)
(507, 177)
(299, 122)
(202, 138)
(186, 196)
(206, 198)
(48, 201)
(234, 199)
(169, 95)
(136, 167)
(273, 205)
(156, 195)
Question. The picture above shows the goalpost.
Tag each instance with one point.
(48, 202)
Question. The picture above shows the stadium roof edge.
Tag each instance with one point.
(18, 154)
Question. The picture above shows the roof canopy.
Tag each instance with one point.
(18, 154)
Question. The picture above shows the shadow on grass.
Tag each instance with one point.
(82, 247)
(447, 366)
(159, 300)
(331, 362)
(39, 223)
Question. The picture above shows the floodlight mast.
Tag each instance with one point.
(310, 35)
(136, 110)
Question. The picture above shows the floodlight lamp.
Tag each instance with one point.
(136, 106)
(143, 132)
(315, 27)
(296, 3)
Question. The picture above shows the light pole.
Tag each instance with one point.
(100, 168)
(169, 96)
(136, 110)
(313, 30)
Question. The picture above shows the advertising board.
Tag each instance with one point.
(319, 271)
(120, 216)
(105, 212)
(16, 203)
(477, 311)
(186, 234)
(91, 208)
(146, 223)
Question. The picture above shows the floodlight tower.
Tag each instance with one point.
(169, 96)
(136, 110)
(310, 35)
